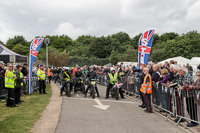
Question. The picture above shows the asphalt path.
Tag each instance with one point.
(99, 115)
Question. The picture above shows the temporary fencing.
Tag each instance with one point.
(102, 79)
(24, 89)
(179, 104)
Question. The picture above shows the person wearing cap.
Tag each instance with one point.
(91, 75)
(113, 77)
(18, 84)
(9, 84)
(41, 78)
(66, 75)
(77, 75)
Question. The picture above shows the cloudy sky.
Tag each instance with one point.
(32, 18)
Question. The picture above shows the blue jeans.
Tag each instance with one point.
(132, 88)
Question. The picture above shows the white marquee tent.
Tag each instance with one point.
(181, 61)
(196, 59)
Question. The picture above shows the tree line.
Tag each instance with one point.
(87, 49)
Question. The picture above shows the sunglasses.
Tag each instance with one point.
(9, 66)
(198, 75)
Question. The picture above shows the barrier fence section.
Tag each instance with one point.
(181, 104)
(24, 89)
(102, 79)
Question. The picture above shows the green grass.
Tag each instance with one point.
(22, 118)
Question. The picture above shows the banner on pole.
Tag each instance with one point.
(34, 50)
(144, 49)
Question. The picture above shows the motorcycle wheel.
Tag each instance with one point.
(117, 93)
(93, 92)
(68, 90)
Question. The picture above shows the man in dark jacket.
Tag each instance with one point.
(92, 75)
(18, 84)
(155, 77)
(24, 70)
(77, 75)
(2, 75)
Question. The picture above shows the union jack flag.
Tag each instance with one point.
(35, 46)
(34, 50)
(145, 44)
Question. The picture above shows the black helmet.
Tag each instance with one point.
(78, 68)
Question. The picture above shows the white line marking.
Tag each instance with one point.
(100, 105)
(88, 99)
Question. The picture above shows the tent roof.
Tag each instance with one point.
(6, 51)
(196, 59)
(180, 60)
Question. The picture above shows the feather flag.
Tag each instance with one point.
(34, 50)
(145, 44)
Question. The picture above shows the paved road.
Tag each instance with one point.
(79, 115)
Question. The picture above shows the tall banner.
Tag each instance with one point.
(34, 50)
(144, 49)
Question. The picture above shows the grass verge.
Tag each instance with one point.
(22, 118)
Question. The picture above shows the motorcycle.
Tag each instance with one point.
(80, 85)
(67, 87)
(92, 89)
(115, 90)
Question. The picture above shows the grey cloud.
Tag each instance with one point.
(95, 17)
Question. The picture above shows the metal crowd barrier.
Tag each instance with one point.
(181, 104)
(3, 91)
(24, 89)
(34, 83)
(131, 86)
(102, 79)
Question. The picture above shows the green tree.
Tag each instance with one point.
(21, 49)
(16, 40)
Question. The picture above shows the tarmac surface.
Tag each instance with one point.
(99, 115)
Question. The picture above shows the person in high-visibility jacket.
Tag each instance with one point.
(41, 78)
(66, 76)
(9, 84)
(113, 78)
(146, 89)
(18, 84)
(50, 75)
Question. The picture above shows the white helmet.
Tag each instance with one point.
(112, 69)
(66, 68)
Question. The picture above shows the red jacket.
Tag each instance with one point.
(74, 70)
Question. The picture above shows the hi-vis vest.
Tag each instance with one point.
(144, 87)
(9, 80)
(67, 76)
(21, 76)
(112, 79)
(49, 73)
(41, 74)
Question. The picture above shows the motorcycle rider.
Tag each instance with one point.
(77, 75)
(113, 77)
(66, 75)
(92, 75)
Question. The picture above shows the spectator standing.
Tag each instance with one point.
(2, 75)
(18, 84)
(196, 87)
(24, 70)
(41, 79)
(9, 84)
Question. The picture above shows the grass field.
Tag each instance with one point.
(21, 119)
